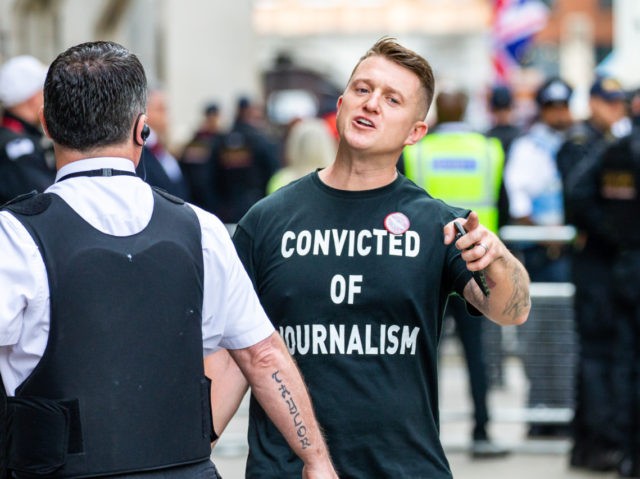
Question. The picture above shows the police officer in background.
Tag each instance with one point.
(534, 185)
(26, 156)
(463, 168)
(247, 159)
(607, 120)
(604, 189)
(595, 441)
(109, 294)
(505, 130)
(199, 156)
(532, 177)
(501, 109)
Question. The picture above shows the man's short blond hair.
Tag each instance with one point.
(390, 49)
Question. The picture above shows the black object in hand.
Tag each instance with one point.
(479, 276)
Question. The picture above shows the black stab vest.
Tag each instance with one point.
(121, 386)
(619, 188)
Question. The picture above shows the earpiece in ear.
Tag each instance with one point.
(144, 134)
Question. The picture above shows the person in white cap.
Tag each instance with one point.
(26, 156)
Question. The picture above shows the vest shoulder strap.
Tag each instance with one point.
(29, 204)
(168, 196)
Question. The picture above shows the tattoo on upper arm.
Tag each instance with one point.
(298, 424)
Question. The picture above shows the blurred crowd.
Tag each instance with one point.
(222, 170)
(584, 173)
(551, 171)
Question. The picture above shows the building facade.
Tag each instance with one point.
(202, 50)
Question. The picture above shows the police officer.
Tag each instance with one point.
(534, 185)
(532, 177)
(463, 168)
(607, 105)
(595, 441)
(248, 159)
(26, 157)
(505, 130)
(111, 291)
(199, 155)
(501, 109)
(604, 191)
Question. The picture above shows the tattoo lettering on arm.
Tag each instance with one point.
(298, 424)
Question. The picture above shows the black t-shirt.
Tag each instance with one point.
(360, 309)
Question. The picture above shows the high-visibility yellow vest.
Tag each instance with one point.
(461, 168)
(281, 178)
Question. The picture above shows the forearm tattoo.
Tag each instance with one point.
(519, 300)
(301, 429)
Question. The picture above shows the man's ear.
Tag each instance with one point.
(141, 130)
(418, 131)
(43, 122)
(339, 102)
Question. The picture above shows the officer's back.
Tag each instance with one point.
(456, 163)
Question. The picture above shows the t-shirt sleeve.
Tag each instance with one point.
(232, 316)
(244, 248)
(461, 276)
(23, 283)
(456, 275)
(457, 271)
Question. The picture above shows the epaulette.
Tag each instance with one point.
(30, 204)
(168, 196)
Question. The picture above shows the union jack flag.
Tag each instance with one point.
(515, 22)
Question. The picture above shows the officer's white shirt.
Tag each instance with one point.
(531, 175)
(232, 317)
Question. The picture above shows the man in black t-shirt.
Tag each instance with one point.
(354, 265)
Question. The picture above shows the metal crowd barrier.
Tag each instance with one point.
(536, 234)
(545, 350)
(547, 342)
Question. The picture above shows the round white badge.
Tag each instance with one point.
(396, 223)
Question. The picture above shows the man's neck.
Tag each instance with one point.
(64, 156)
(359, 174)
